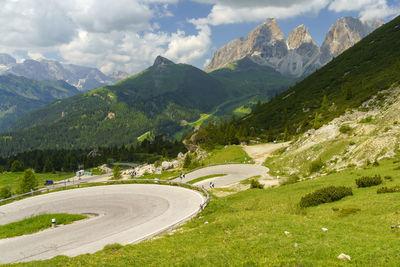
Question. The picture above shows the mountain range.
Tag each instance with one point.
(175, 98)
(83, 78)
(297, 56)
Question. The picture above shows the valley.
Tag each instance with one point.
(279, 148)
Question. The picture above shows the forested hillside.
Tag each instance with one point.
(348, 80)
(164, 98)
(19, 95)
(372, 65)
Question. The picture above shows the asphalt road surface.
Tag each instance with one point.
(234, 173)
(124, 214)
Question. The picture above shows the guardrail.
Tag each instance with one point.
(131, 181)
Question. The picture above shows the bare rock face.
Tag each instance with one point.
(265, 41)
(298, 37)
(346, 32)
(299, 55)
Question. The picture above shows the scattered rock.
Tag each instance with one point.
(296, 245)
(181, 155)
(166, 165)
(287, 233)
(324, 229)
(343, 256)
(206, 223)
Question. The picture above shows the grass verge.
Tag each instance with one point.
(36, 224)
(247, 229)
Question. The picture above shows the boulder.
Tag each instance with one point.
(166, 165)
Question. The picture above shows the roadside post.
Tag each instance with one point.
(53, 223)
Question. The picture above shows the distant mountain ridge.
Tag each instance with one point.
(83, 78)
(19, 95)
(297, 56)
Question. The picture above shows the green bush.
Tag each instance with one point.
(254, 183)
(345, 129)
(385, 189)
(5, 192)
(344, 212)
(291, 180)
(316, 165)
(325, 195)
(367, 181)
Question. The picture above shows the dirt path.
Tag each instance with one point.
(260, 153)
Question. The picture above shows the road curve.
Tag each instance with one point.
(234, 173)
(125, 214)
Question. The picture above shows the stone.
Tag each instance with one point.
(166, 165)
(296, 245)
(343, 256)
(287, 233)
(324, 229)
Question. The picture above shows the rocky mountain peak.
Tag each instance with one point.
(299, 36)
(346, 32)
(299, 55)
(6, 59)
(162, 61)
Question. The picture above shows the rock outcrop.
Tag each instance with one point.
(298, 55)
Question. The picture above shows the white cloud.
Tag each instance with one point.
(239, 11)
(368, 9)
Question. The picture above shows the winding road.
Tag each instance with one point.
(234, 173)
(125, 214)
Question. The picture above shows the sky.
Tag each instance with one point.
(127, 35)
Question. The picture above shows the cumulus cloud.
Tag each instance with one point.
(228, 12)
(368, 9)
(108, 34)
(238, 11)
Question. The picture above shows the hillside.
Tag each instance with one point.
(266, 227)
(372, 65)
(162, 99)
(19, 95)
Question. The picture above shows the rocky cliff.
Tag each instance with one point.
(298, 55)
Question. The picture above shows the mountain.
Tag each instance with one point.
(19, 95)
(165, 98)
(83, 78)
(355, 76)
(299, 55)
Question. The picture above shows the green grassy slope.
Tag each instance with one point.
(19, 95)
(370, 66)
(247, 229)
(165, 98)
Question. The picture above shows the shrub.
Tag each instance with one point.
(344, 212)
(316, 165)
(254, 183)
(325, 195)
(367, 119)
(117, 172)
(367, 181)
(385, 189)
(345, 129)
(388, 177)
(188, 161)
(5, 192)
(291, 180)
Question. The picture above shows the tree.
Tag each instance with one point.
(28, 181)
(116, 172)
(17, 166)
(325, 103)
(187, 161)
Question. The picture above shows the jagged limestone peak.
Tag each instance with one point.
(299, 36)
